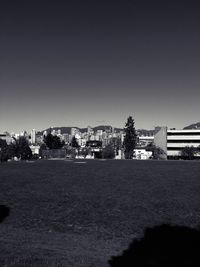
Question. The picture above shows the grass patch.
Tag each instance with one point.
(98, 202)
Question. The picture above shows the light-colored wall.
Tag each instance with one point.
(160, 140)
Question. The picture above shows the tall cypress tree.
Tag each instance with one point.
(129, 138)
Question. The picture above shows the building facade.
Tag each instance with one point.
(172, 141)
(178, 139)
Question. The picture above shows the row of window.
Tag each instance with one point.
(174, 148)
(183, 133)
(184, 141)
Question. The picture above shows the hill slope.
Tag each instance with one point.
(192, 126)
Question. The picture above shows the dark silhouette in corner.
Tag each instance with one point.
(4, 212)
(162, 246)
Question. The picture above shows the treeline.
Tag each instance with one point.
(18, 149)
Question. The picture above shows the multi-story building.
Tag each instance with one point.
(74, 131)
(90, 130)
(7, 137)
(178, 139)
(172, 141)
(33, 136)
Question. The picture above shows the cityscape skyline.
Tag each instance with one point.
(104, 127)
(74, 64)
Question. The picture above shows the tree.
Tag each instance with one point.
(108, 152)
(130, 138)
(20, 149)
(48, 140)
(85, 151)
(11, 150)
(3, 150)
(116, 143)
(53, 142)
(23, 150)
(74, 142)
(157, 152)
(188, 152)
(42, 147)
(70, 152)
(3, 143)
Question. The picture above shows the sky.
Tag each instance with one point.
(80, 63)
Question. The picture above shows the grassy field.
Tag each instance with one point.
(67, 213)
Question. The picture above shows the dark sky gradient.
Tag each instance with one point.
(65, 63)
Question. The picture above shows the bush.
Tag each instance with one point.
(108, 152)
(189, 152)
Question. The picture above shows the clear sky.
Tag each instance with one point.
(65, 63)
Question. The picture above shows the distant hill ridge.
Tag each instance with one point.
(67, 130)
(192, 126)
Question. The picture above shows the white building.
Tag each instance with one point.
(173, 141)
(178, 139)
(33, 136)
(35, 149)
(142, 153)
(75, 131)
(145, 140)
(7, 138)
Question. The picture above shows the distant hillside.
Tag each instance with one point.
(67, 130)
(63, 130)
(192, 126)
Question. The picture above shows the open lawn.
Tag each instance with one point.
(67, 213)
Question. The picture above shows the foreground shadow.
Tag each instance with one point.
(162, 246)
(4, 212)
